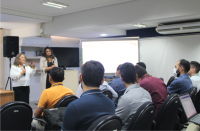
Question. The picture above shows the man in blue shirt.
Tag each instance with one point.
(117, 84)
(92, 104)
(183, 83)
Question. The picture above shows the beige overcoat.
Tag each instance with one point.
(43, 65)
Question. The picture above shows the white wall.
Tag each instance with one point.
(28, 31)
(161, 54)
(57, 41)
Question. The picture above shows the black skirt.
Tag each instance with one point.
(22, 93)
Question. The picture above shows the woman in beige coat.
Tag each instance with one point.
(47, 62)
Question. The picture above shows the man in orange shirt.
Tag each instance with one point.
(53, 94)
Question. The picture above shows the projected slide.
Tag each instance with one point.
(110, 53)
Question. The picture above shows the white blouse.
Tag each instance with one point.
(21, 80)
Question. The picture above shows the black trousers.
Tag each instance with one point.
(48, 84)
(22, 93)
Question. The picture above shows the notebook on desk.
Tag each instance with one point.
(189, 109)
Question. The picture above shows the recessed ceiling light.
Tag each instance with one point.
(55, 4)
(139, 25)
(103, 34)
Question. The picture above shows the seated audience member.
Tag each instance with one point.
(142, 64)
(52, 95)
(183, 83)
(103, 87)
(194, 74)
(155, 86)
(92, 104)
(134, 96)
(117, 84)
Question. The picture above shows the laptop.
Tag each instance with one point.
(189, 109)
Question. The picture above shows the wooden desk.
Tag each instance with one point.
(6, 96)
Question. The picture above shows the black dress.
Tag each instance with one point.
(48, 84)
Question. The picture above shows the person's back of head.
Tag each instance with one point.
(194, 68)
(92, 73)
(117, 74)
(128, 73)
(185, 64)
(142, 64)
(119, 66)
(140, 71)
(57, 74)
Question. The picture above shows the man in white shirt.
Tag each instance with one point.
(103, 87)
(194, 74)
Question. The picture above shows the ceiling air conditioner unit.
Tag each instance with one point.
(179, 28)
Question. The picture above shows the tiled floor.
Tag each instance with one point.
(33, 106)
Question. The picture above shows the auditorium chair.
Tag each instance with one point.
(16, 115)
(143, 118)
(192, 92)
(161, 78)
(64, 102)
(197, 102)
(167, 115)
(108, 94)
(172, 78)
(106, 123)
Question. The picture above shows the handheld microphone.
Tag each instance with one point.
(24, 68)
(53, 61)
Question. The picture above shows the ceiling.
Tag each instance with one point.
(35, 6)
(12, 22)
(154, 23)
(80, 18)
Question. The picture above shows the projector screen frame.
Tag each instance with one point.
(111, 39)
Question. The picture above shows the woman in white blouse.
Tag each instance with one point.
(21, 78)
(47, 62)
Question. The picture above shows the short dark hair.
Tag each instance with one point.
(142, 64)
(195, 65)
(128, 73)
(45, 55)
(92, 73)
(185, 64)
(118, 68)
(57, 74)
(140, 71)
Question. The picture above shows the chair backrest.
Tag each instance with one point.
(161, 78)
(197, 102)
(106, 122)
(108, 94)
(64, 102)
(172, 78)
(166, 117)
(192, 92)
(16, 115)
(143, 118)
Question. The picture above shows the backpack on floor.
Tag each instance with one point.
(54, 118)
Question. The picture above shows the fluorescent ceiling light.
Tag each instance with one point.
(103, 34)
(139, 25)
(54, 4)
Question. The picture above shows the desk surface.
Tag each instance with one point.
(5, 91)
